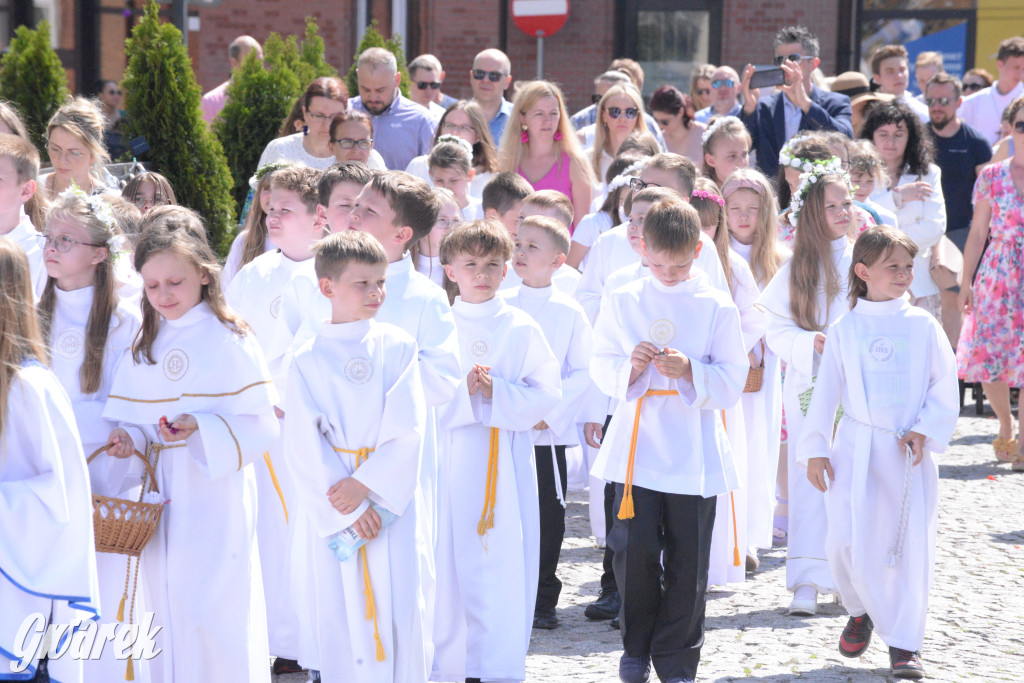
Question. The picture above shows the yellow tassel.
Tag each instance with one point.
(120, 610)
(371, 611)
(735, 556)
(129, 674)
(626, 508)
(380, 646)
(490, 493)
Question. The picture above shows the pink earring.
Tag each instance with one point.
(558, 135)
(525, 137)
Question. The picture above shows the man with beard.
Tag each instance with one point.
(961, 152)
(402, 129)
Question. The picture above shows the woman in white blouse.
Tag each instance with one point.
(913, 189)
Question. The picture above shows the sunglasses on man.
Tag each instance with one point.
(433, 85)
(973, 87)
(796, 57)
(941, 101)
(722, 83)
(492, 76)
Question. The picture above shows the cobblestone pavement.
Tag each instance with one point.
(975, 622)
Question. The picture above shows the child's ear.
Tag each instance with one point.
(326, 287)
(403, 235)
(559, 261)
(27, 190)
(449, 273)
(321, 215)
(861, 271)
(709, 160)
(101, 255)
(492, 213)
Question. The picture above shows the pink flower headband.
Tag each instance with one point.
(742, 184)
(710, 196)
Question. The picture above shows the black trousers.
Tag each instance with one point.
(608, 575)
(552, 526)
(667, 621)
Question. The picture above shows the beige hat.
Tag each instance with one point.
(855, 85)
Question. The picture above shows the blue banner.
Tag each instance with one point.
(951, 43)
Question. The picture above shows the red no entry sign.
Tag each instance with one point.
(540, 18)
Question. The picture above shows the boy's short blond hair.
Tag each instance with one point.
(22, 154)
(477, 238)
(672, 226)
(302, 180)
(553, 200)
(553, 228)
(335, 252)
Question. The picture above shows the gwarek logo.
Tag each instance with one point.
(82, 640)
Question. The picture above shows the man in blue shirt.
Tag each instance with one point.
(799, 106)
(402, 130)
(961, 153)
(725, 84)
(490, 77)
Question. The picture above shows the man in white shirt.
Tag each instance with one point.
(891, 70)
(725, 85)
(983, 110)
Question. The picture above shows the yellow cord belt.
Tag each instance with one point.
(626, 508)
(487, 516)
(371, 609)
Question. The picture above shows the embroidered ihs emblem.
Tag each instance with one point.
(479, 347)
(358, 371)
(662, 332)
(175, 364)
(69, 343)
(882, 349)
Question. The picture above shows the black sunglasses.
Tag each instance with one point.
(492, 76)
(433, 85)
(615, 112)
(795, 57)
(1019, 126)
(971, 87)
(941, 101)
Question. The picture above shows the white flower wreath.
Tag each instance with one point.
(832, 166)
(715, 125)
(100, 208)
(630, 172)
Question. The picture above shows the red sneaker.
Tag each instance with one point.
(905, 664)
(856, 636)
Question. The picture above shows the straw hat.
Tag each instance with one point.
(855, 85)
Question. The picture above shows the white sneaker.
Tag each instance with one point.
(804, 603)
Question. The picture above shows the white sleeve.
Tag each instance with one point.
(819, 425)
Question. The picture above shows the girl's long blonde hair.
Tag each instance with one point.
(75, 209)
(255, 228)
(711, 213)
(601, 131)
(179, 230)
(20, 339)
(513, 149)
(765, 258)
(812, 268)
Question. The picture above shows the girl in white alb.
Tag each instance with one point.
(88, 328)
(426, 256)
(47, 548)
(805, 296)
(889, 366)
(196, 397)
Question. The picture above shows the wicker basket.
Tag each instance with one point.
(755, 376)
(122, 526)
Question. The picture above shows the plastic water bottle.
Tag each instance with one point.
(346, 542)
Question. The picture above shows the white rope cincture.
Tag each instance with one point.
(895, 558)
(554, 467)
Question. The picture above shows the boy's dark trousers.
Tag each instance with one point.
(552, 526)
(665, 623)
(608, 575)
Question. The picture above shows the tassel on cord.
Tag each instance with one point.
(277, 485)
(120, 608)
(732, 502)
(626, 510)
(129, 674)
(371, 608)
(491, 492)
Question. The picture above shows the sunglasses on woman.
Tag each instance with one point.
(615, 112)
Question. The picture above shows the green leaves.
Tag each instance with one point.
(32, 77)
(162, 100)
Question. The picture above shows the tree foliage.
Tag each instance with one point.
(162, 100)
(260, 96)
(374, 38)
(32, 77)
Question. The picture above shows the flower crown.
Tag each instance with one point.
(100, 208)
(263, 170)
(628, 174)
(786, 157)
(461, 142)
(710, 196)
(715, 125)
(833, 166)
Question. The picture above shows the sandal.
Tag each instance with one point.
(1005, 449)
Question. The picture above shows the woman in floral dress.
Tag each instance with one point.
(991, 349)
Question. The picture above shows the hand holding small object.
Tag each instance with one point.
(643, 355)
(673, 364)
(368, 525)
(750, 95)
(178, 429)
(121, 445)
(819, 343)
(347, 494)
(916, 442)
(817, 469)
(593, 434)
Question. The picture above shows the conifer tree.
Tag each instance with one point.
(33, 79)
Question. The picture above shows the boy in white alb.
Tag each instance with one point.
(488, 533)
(670, 348)
(355, 421)
(255, 293)
(19, 166)
(553, 204)
(541, 245)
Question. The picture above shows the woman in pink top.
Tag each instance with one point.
(544, 148)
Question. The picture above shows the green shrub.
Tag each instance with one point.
(162, 100)
(32, 77)
(261, 96)
(373, 38)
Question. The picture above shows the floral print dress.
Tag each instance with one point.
(991, 347)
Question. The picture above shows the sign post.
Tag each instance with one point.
(539, 19)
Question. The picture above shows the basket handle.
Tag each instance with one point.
(150, 472)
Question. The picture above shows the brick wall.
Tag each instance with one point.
(749, 26)
(455, 31)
